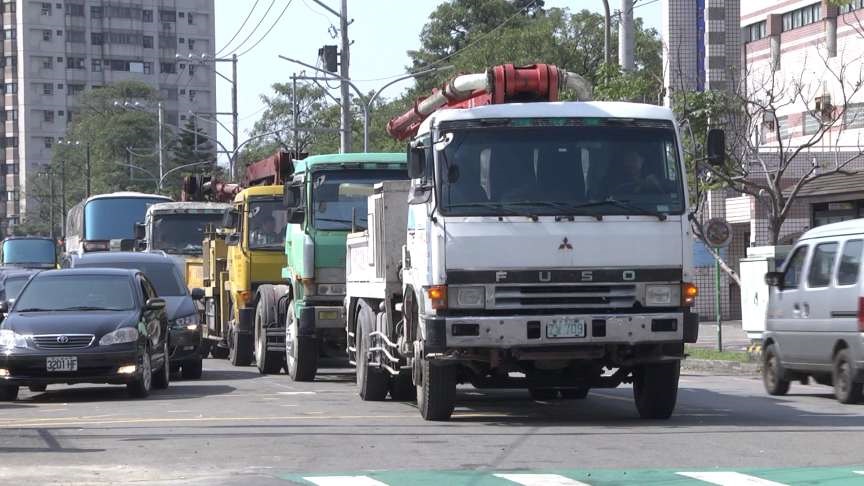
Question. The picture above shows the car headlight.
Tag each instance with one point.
(120, 336)
(470, 297)
(331, 289)
(662, 295)
(10, 339)
(189, 322)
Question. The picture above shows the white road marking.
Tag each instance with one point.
(344, 481)
(859, 472)
(541, 480)
(297, 393)
(724, 478)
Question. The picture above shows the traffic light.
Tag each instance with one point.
(328, 55)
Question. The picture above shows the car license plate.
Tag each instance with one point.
(565, 328)
(328, 315)
(61, 363)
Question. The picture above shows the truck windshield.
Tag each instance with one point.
(182, 233)
(268, 219)
(17, 252)
(560, 170)
(114, 218)
(339, 196)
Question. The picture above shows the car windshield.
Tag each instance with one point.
(29, 251)
(81, 291)
(555, 169)
(182, 233)
(337, 197)
(12, 286)
(164, 276)
(268, 218)
(114, 218)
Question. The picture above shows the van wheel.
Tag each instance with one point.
(655, 389)
(845, 388)
(772, 372)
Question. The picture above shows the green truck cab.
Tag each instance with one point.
(325, 200)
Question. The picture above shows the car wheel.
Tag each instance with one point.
(191, 370)
(140, 388)
(772, 372)
(162, 377)
(845, 388)
(8, 393)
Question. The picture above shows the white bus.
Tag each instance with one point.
(106, 222)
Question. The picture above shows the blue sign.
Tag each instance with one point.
(702, 257)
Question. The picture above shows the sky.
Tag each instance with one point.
(382, 31)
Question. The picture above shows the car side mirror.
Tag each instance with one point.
(141, 245)
(197, 294)
(140, 231)
(716, 145)
(416, 162)
(155, 303)
(4, 306)
(230, 219)
(292, 196)
(296, 216)
(233, 239)
(774, 279)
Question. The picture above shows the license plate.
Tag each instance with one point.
(62, 363)
(565, 328)
(328, 315)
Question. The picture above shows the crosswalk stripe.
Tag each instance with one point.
(541, 480)
(725, 478)
(859, 472)
(344, 481)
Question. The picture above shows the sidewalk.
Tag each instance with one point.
(734, 338)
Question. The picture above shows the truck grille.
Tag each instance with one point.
(68, 341)
(563, 296)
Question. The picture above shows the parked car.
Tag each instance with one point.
(816, 314)
(85, 326)
(184, 342)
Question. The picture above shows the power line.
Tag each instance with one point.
(255, 29)
(268, 30)
(248, 16)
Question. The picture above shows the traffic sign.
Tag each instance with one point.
(718, 233)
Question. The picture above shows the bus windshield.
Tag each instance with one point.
(182, 233)
(28, 251)
(114, 218)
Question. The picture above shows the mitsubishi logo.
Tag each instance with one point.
(565, 245)
(62, 339)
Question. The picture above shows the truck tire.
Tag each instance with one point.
(204, 349)
(8, 393)
(772, 372)
(436, 390)
(402, 389)
(845, 388)
(372, 382)
(192, 369)
(655, 389)
(301, 352)
(218, 352)
(579, 393)
(240, 349)
(268, 362)
(543, 394)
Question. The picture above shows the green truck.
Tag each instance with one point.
(326, 199)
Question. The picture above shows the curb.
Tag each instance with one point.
(720, 367)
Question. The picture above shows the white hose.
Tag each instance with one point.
(461, 87)
(578, 84)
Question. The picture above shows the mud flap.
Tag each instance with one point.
(307, 322)
(247, 320)
(691, 326)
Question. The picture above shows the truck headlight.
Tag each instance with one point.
(662, 295)
(10, 339)
(189, 322)
(331, 289)
(470, 297)
(120, 336)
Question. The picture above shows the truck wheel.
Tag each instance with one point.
(372, 382)
(579, 393)
(772, 372)
(268, 362)
(218, 352)
(192, 370)
(402, 389)
(240, 349)
(655, 389)
(301, 352)
(8, 393)
(543, 394)
(845, 388)
(204, 349)
(436, 390)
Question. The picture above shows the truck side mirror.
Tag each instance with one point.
(140, 231)
(4, 306)
(416, 162)
(774, 279)
(197, 294)
(716, 145)
(296, 216)
(230, 219)
(233, 239)
(292, 197)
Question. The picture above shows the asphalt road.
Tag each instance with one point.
(237, 427)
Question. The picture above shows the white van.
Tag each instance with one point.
(815, 325)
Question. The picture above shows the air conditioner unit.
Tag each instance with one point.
(823, 105)
(768, 120)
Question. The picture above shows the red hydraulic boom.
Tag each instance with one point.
(274, 169)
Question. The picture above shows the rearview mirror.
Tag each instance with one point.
(774, 279)
(292, 196)
(232, 216)
(197, 294)
(155, 303)
(716, 145)
(296, 216)
(233, 239)
(416, 162)
(140, 231)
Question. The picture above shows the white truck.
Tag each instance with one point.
(543, 245)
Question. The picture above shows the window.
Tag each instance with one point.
(147, 41)
(75, 10)
(181, 14)
(812, 122)
(48, 89)
(182, 40)
(167, 15)
(77, 36)
(75, 89)
(46, 9)
(59, 33)
(191, 95)
(148, 68)
(11, 115)
(191, 44)
(10, 61)
(48, 116)
(136, 67)
(147, 16)
(60, 60)
(802, 16)
(821, 265)
(96, 65)
(10, 34)
(96, 12)
(756, 31)
(849, 7)
(10, 88)
(850, 262)
(97, 38)
(792, 273)
(168, 67)
(49, 142)
(47, 63)
(59, 85)
(190, 19)
(74, 63)
(191, 70)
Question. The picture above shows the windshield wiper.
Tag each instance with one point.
(33, 309)
(623, 205)
(86, 308)
(505, 206)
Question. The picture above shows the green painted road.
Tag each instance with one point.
(853, 475)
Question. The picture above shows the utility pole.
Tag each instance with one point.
(607, 33)
(63, 198)
(343, 72)
(234, 117)
(159, 147)
(51, 201)
(294, 107)
(88, 169)
(625, 36)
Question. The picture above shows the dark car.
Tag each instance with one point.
(185, 340)
(85, 326)
(12, 281)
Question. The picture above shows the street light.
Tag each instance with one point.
(161, 114)
(161, 179)
(87, 173)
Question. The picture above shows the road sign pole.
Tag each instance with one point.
(717, 303)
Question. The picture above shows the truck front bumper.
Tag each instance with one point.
(519, 331)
